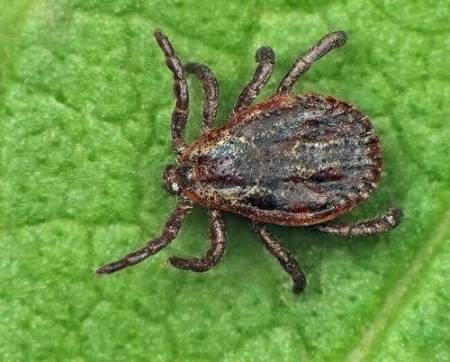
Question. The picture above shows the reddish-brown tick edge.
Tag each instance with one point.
(293, 160)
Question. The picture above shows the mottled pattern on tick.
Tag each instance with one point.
(293, 160)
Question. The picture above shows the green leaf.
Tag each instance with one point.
(85, 104)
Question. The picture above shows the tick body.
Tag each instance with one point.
(294, 160)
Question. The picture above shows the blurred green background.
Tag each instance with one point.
(85, 104)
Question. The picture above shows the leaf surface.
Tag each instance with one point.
(85, 104)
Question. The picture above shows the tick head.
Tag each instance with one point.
(176, 178)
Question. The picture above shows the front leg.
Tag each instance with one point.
(283, 255)
(169, 233)
(180, 113)
(385, 222)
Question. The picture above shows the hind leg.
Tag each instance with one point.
(303, 63)
(385, 222)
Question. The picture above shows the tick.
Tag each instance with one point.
(293, 160)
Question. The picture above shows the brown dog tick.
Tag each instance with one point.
(294, 160)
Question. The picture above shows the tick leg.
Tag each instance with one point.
(210, 89)
(389, 220)
(180, 113)
(265, 57)
(285, 258)
(213, 255)
(169, 233)
(303, 63)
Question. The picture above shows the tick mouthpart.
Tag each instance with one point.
(177, 178)
(171, 179)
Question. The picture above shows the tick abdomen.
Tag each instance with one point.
(291, 160)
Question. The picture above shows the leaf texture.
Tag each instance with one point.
(85, 104)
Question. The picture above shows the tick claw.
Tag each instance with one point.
(299, 283)
(105, 269)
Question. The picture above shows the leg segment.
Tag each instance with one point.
(211, 90)
(213, 255)
(303, 63)
(285, 258)
(378, 225)
(180, 113)
(153, 246)
(265, 57)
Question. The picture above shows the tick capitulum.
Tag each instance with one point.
(294, 160)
